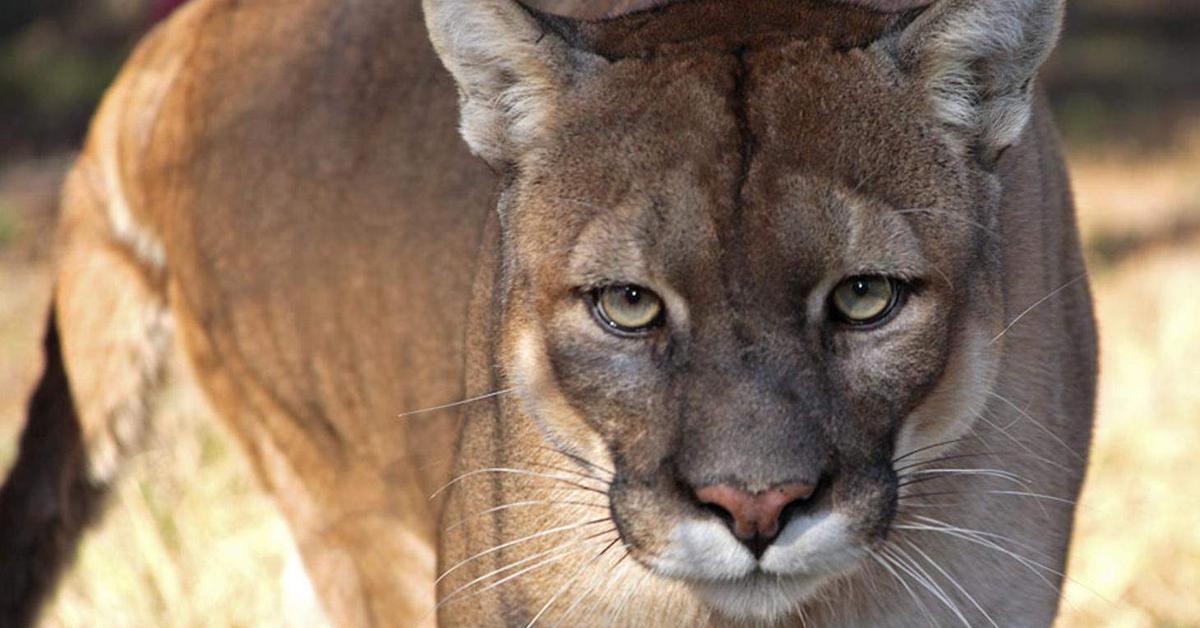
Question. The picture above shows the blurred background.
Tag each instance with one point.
(190, 540)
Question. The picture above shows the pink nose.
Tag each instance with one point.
(754, 514)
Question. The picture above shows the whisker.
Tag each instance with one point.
(1036, 304)
(971, 535)
(999, 473)
(883, 562)
(531, 502)
(583, 475)
(1023, 445)
(525, 472)
(1031, 563)
(570, 581)
(934, 474)
(992, 492)
(1037, 423)
(942, 505)
(531, 557)
(455, 404)
(621, 579)
(619, 609)
(1052, 498)
(927, 448)
(600, 577)
(802, 616)
(983, 417)
(1015, 494)
(580, 459)
(983, 533)
(952, 581)
(922, 577)
(1028, 563)
(903, 483)
(983, 454)
(510, 577)
(523, 539)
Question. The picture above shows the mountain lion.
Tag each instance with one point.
(757, 312)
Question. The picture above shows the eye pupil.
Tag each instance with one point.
(627, 309)
(865, 300)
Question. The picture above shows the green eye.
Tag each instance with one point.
(628, 309)
(865, 300)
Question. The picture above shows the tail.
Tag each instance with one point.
(47, 501)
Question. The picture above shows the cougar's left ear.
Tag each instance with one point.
(978, 60)
(509, 69)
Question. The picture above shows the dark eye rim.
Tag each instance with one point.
(900, 293)
(611, 326)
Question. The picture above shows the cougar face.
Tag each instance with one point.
(737, 285)
(751, 267)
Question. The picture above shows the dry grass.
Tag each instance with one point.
(189, 539)
(1138, 536)
(1137, 544)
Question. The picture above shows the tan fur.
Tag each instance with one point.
(357, 500)
(278, 189)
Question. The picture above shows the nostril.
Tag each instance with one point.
(737, 504)
(807, 502)
(720, 512)
(753, 515)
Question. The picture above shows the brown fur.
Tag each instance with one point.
(305, 224)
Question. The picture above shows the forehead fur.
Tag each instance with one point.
(724, 25)
(851, 117)
(790, 137)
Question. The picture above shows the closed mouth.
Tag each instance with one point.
(760, 595)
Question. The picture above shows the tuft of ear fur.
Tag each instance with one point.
(508, 68)
(978, 60)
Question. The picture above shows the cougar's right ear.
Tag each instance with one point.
(510, 72)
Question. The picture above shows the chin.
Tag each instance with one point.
(760, 597)
(810, 554)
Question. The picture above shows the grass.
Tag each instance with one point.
(190, 540)
(1138, 535)
(1137, 544)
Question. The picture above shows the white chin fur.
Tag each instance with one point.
(761, 597)
(809, 552)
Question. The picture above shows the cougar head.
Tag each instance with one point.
(749, 257)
